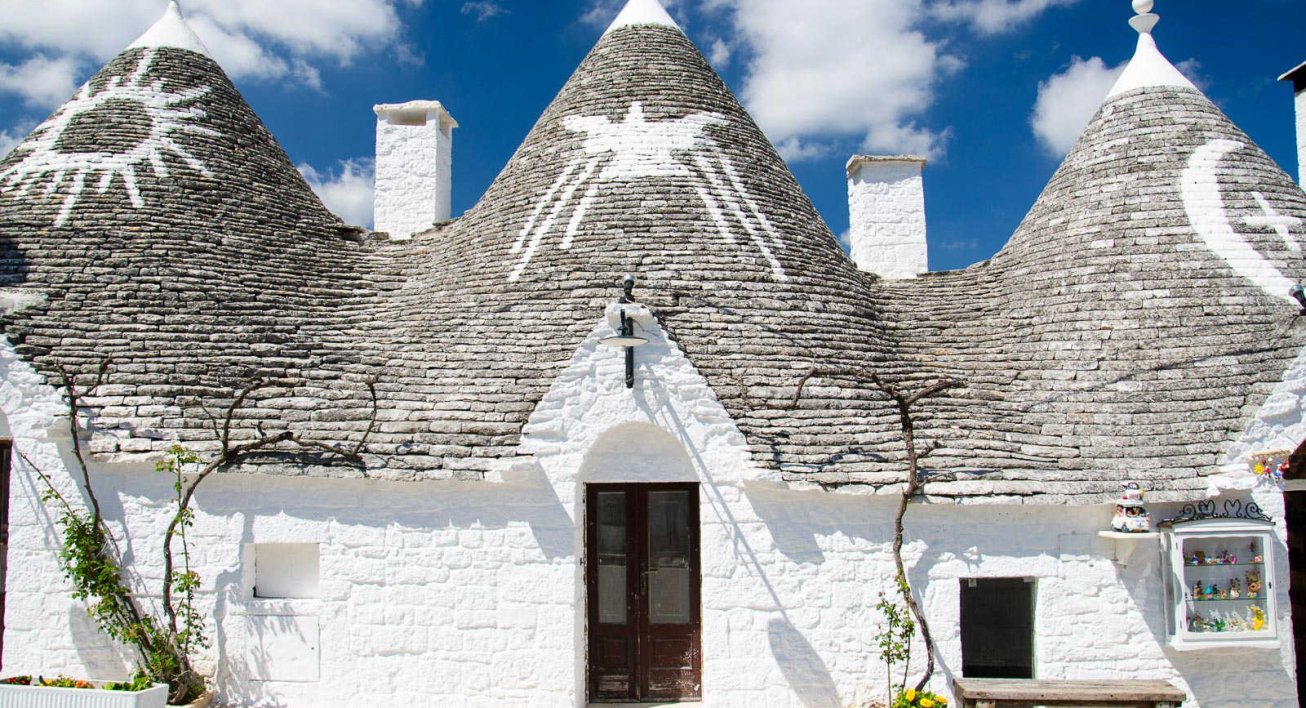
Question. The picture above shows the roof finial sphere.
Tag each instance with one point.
(1143, 7)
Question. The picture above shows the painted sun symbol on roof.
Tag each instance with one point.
(143, 120)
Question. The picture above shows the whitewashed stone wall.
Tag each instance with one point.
(886, 210)
(461, 594)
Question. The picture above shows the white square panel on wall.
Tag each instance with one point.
(286, 570)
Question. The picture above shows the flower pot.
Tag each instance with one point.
(155, 696)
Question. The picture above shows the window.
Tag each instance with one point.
(286, 570)
(997, 628)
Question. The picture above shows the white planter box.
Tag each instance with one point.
(44, 697)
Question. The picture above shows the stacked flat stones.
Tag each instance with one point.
(1106, 342)
(1103, 343)
(215, 281)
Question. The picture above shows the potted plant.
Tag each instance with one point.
(65, 692)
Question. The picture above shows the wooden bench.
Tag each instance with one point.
(1024, 693)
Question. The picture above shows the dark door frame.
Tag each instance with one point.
(644, 633)
(6, 446)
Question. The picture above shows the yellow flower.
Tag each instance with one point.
(941, 700)
(910, 695)
(927, 703)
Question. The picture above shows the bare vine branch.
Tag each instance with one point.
(93, 561)
(74, 403)
(915, 483)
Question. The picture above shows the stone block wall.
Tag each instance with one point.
(472, 594)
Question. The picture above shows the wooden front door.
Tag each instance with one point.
(642, 592)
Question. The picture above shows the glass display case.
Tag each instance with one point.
(1221, 583)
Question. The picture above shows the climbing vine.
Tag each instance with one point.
(913, 487)
(167, 640)
(896, 637)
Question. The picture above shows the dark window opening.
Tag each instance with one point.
(997, 628)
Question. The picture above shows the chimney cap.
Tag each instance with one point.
(402, 113)
(857, 161)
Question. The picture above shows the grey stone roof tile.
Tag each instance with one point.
(1105, 342)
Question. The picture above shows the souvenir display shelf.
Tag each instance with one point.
(1221, 584)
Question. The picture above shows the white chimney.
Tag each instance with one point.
(886, 209)
(1298, 78)
(414, 162)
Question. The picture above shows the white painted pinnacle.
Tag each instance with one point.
(1148, 68)
(1145, 21)
(642, 12)
(171, 31)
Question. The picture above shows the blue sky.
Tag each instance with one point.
(992, 90)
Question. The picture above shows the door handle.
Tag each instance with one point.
(643, 580)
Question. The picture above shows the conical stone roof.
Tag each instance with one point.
(1129, 330)
(1139, 315)
(153, 223)
(645, 163)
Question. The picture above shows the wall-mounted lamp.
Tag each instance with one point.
(625, 336)
(1299, 295)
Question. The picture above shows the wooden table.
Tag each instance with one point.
(1024, 693)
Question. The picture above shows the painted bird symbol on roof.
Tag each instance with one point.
(636, 148)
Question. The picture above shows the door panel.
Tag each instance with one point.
(642, 580)
(610, 576)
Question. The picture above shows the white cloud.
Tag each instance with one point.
(797, 150)
(719, 54)
(993, 16)
(1067, 101)
(1192, 70)
(8, 141)
(484, 10)
(42, 82)
(874, 88)
(338, 29)
(347, 192)
(282, 40)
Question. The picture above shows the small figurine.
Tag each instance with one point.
(1197, 623)
(1218, 624)
(1235, 588)
(1237, 624)
(1197, 591)
(1131, 516)
(1226, 558)
(1257, 622)
(1199, 557)
(1253, 580)
(1212, 592)
(1256, 557)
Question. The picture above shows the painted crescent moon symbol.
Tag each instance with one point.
(1200, 188)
